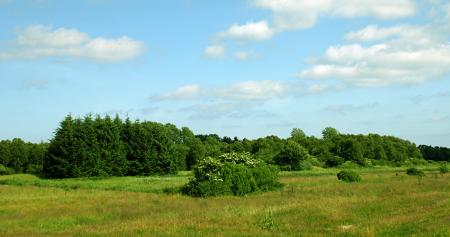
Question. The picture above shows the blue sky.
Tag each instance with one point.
(245, 68)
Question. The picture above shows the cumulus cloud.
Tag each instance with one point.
(387, 56)
(40, 41)
(184, 93)
(248, 90)
(249, 31)
(412, 35)
(263, 90)
(214, 51)
(300, 14)
(381, 65)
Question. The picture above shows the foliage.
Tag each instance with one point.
(443, 168)
(231, 173)
(349, 176)
(22, 157)
(104, 146)
(414, 172)
(88, 146)
(333, 161)
(349, 165)
(435, 153)
(5, 170)
(292, 156)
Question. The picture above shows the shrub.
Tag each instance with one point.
(443, 168)
(349, 165)
(414, 172)
(349, 176)
(232, 173)
(5, 170)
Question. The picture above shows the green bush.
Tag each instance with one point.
(414, 172)
(349, 165)
(349, 176)
(443, 168)
(231, 174)
(5, 170)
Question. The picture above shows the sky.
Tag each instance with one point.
(247, 68)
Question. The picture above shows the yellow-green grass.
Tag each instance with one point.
(385, 203)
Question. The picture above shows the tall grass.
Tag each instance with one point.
(387, 203)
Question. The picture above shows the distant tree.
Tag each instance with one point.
(298, 135)
(291, 156)
(329, 133)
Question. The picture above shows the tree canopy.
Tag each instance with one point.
(105, 146)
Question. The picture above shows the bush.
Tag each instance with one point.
(231, 173)
(443, 168)
(349, 176)
(414, 172)
(349, 165)
(5, 170)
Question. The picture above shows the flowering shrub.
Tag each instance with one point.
(232, 173)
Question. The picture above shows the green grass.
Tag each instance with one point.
(153, 184)
(386, 202)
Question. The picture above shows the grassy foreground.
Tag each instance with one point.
(313, 203)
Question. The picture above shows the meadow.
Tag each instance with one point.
(386, 202)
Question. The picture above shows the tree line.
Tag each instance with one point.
(435, 153)
(17, 156)
(106, 146)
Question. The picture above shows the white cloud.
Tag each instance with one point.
(381, 65)
(294, 14)
(300, 14)
(374, 33)
(41, 41)
(412, 35)
(250, 31)
(395, 55)
(214, 51)
(184, 93)
(255, 90)
(39, 35)
(381, 9)
(248, 90)
(251, 91)
(244, 55)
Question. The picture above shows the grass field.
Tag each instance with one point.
(313, 203)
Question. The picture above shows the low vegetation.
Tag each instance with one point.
(443, 168)
(386, 202)
(349, 176)
(414, 172)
